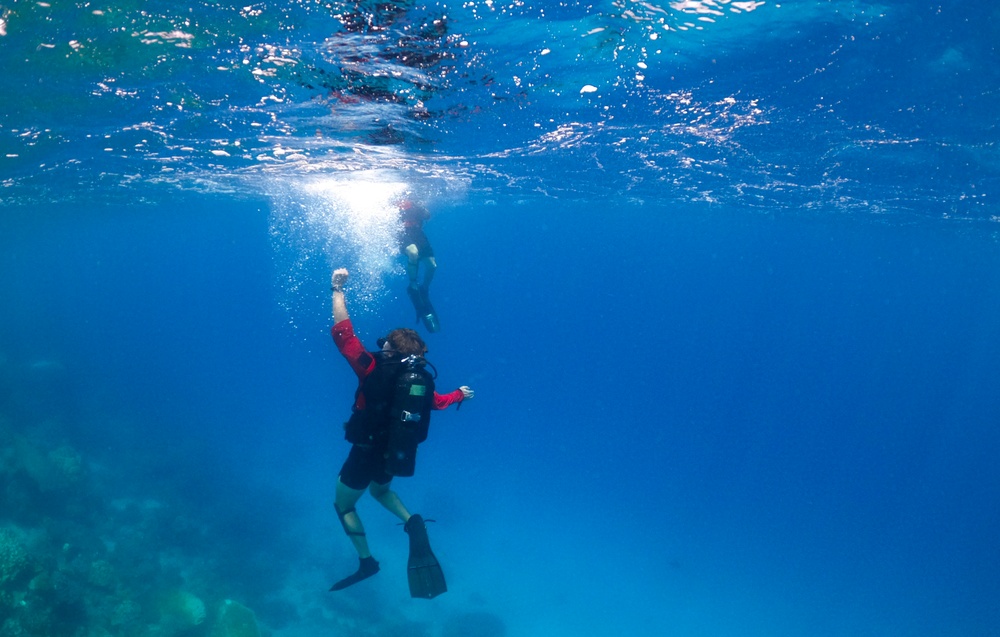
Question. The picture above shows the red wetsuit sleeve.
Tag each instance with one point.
(351, 348)
(443, 401)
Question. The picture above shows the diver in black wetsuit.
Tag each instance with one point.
(415, 244)
(417, 248)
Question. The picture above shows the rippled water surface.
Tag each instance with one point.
(840, 106)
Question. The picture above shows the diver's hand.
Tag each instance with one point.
(467, 392)
(339, 278)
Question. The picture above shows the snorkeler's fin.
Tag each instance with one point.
(366, 569)
(422, 569)
(422, 304)
(430, 317)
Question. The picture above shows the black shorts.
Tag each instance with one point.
(415, 235)
(363, 466)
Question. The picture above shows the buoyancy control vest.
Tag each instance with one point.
(399, 396)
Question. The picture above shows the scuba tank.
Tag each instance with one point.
(409, 416)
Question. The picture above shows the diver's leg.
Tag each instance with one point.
(412, 263)
(344, 504)
(388, 498)
(349, 518)
(430, 267)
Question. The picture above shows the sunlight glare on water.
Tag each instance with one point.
(349, 220)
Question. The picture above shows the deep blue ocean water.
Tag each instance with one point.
(725, 277)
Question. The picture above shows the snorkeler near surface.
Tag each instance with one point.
(390, 417)
(417, 248)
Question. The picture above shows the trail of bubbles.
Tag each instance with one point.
(349, 220)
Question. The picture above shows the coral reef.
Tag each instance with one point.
(126, 613)
(235, 620)
(122, 541)
(181, 610)
(87, 553)
(13, 558)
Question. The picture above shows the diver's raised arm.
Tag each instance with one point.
(337, 282)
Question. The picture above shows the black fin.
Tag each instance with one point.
(422, 304)
(367, 568)
(422, 569)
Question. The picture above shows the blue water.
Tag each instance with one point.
(728, 298)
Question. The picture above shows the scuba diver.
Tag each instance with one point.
(390, 417)
(417, 248)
